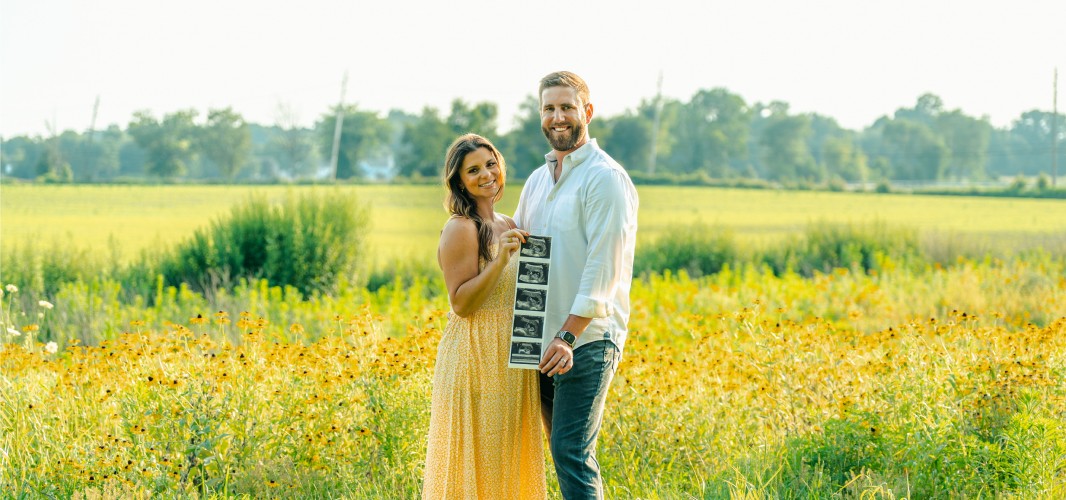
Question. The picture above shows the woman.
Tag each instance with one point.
(484, 430)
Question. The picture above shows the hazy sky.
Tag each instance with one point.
(852, 60)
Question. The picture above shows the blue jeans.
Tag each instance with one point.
(572, 409)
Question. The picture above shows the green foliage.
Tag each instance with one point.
(702, 250)
(364, 134)
(313, 243)
(698, 250)
(168, 143)
(225, 141)
(824, 247)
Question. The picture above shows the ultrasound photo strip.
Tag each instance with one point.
(530, 302)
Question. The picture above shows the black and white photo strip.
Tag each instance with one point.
(532, 273)
(537, 247)
(530, 302)
(529, 299)
(525, 353)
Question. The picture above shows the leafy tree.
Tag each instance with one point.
(225, 141)
(1031, 138)
(167, 143)
(286, 149)
(20, 155)
(1004, 153)
(479, 118)
(925, 110)
(711, 132)
(967, 140)
(914, 151)
(784, 149)
(524, 146)
(664, 139)
(424, 144)
(363, 136)
(844, 159)
(630, 141)
(51, 164)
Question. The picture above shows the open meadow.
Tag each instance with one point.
(407, 219)
(931, 372)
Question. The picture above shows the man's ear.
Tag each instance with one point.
(588, 113)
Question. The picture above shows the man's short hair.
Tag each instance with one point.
(565, 79)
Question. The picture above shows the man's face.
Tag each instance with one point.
(563, 118)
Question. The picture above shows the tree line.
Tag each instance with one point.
(714, 135)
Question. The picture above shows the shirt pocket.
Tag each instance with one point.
(568, 215)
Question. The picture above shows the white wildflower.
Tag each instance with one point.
(13, 332)
(11, 288)
(45, 304)
(51, 347)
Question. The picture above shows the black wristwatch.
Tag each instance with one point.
(567, 337)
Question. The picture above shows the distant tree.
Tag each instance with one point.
(424, 143)
(288, 148)
(1031, 138)
(167, 143)
(479, 118)
(132, 159)
(668, 120)
(925, 110)
(836, 150)
(967, 140)
(1005, 153)
(914, 151)
(103, 152)
(20, 155)
(52, 166)
(363, 136)
(630, 141)
(524, 146)
(785, 153)
(844, 159)
(711, 133)
(225, 142)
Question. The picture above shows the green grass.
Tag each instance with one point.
(406, 220)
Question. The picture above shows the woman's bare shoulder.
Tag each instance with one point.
(458, 229)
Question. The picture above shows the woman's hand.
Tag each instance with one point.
(510, 241)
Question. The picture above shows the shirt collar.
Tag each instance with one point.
(575, 158)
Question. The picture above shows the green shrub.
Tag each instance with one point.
(698, 250)
(313, 243)
(824, 247)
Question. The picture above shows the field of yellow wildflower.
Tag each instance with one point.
(938, 383)
(940, 375)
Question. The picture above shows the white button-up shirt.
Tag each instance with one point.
(591, 216)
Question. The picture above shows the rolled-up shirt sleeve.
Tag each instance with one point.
(610, 211)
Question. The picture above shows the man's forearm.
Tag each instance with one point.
(576, 324)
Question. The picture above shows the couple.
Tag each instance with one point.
(484, 434)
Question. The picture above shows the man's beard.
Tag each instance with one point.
(566, 142)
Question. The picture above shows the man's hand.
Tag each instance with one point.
(558, 359)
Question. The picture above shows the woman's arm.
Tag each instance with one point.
(458, 258)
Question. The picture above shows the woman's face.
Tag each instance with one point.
(480, 174)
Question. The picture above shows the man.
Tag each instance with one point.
(586, 202)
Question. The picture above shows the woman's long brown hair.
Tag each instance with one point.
(459, 202)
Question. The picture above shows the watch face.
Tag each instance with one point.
(567, 337)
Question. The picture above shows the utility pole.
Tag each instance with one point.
(90, 157)
(337, 130)
(92, 122)
(655, 125)
(1055, 129)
